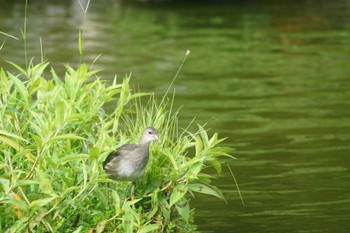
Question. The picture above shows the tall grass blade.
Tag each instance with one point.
(175, 77)
(234, 178)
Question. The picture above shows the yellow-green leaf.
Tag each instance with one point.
(198, 145)
(201, 188)
(66, 136)
(148, 228)
(41, 202)
(60, 110)
(183, 209)
(45, 183)
(179, 191)
(101, 226)
(16, 146)
(116, 200)
(128, 219)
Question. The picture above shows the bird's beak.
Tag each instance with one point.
(156, 138)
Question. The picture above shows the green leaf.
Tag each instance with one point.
(138, 95)
(128, 219)
(220, 151)
(82, 75)
(38, 70)
(5, 184)
(60, 110)
(20, 69)
(116, 202)
(183, 209)
(216, 164)
(101, 226)
(94, 153)
(2, 166)
(22, 205)
(134, 201)
(36, 85)
(11, 143)
(78, 230)
(65, 136)
(195, 168)
(172, 160)
(13, 136)
(19, 225)
(71, 157)
(69, 86)
(45, 183)
(213, 140)
(93, 72)
(154, 202)
(21, 88)
(21, 183)
(201, 188)
(80, 43)
(148, 228)
(16, 146)
(179, 191)
(164, 207)
(203, 135)
(55, 77)
(123, 98)
(198, 145)
(38, 141)
(70, 189)
(41, 202)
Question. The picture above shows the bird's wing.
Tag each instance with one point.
(123, 150)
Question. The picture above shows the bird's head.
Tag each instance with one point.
(149, 135)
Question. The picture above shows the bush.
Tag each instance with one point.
(54, 135)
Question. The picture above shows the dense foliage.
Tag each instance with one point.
(54, 134)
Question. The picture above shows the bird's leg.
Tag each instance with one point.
(132, 190)
(132, 193)
(107, 187)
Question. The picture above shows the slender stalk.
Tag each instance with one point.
(176, 74)
(83, 30)
(9, 35)
(41, 50)
(234, 178)
(24, 34)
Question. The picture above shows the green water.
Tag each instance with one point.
(272, 76)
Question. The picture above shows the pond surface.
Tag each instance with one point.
(271, 76)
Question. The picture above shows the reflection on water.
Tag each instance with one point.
(273, 77)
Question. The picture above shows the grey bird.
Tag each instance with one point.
(128, 162)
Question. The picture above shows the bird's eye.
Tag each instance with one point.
(149, 132)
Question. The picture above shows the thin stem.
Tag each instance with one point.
(239, 191)
(82, 32)
(177, 73)
(41, 50)
(24, 34)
